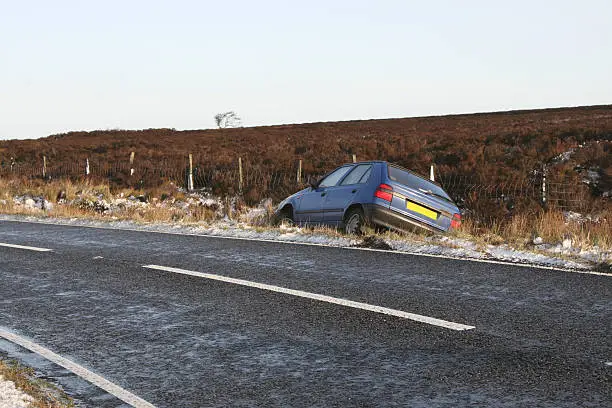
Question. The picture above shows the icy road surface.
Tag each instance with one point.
(176, 336)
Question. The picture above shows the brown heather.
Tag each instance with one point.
(501, 147)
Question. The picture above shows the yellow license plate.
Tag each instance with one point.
(421, 210)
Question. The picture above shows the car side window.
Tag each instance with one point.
(334, 177)
(358, 175)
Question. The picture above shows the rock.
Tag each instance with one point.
(61, 197)
(374, 243)
(567, 243)
(538, 241)
(29, 203)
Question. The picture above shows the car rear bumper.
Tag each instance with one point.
(386, 217)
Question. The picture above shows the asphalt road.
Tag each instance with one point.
(541, 337)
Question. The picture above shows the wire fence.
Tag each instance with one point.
(483, 198)
(477, 196)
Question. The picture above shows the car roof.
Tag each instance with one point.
(368, 162)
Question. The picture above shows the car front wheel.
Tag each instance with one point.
(285, 217)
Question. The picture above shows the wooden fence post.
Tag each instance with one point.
(240, 181)
(354, 158)
(299, 173)
(431, 173)
(87, 167)
(132, 163)
(190, 180)
(44, 166)
(544, 203)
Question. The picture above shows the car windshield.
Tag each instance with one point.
(414, 181)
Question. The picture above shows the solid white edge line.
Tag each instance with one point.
(29, 248)
(82, 372)
(278, 241)
(322, 298)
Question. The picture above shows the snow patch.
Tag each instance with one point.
(563, 157)
(11, 397)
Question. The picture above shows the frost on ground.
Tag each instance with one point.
(437, 245)
(11, 397)
(229, 218)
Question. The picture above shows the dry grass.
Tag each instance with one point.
(521, 229)
(77, 195)
(50, 190)
(45, 394)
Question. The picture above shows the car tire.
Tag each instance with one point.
(355, 222)
(285, 217)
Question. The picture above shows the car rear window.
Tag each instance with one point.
(414, 181)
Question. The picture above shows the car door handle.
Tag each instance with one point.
(354, 191)
(323, 194)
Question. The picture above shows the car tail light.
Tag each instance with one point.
(456, 221)
(384, 192)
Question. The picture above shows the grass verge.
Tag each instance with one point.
(44, 393)
(554, 227)
(545, 232)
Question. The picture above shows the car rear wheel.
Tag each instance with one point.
(354, 222)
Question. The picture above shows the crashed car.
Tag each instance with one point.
(373, 193)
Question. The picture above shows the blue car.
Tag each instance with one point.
(374, 193)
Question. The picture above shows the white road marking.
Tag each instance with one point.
(609, 363)
(278, 241)
(82, 372)
(322, 298)
(29, 248)
(98, 257)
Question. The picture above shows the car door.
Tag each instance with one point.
(310, 209)
(340, 196)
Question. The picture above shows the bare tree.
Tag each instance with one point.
(227, 120)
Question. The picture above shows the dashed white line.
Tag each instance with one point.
(29, 248)
(322, 298)
(82, 372)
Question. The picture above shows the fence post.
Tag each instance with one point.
(44, 166)
(544, 203)
(190, 180)
(240, 175)
(299, 173)
(354, 158)
(132, 163)
(87, 167)
(431, 173)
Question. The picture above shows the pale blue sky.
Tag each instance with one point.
(83, 65)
